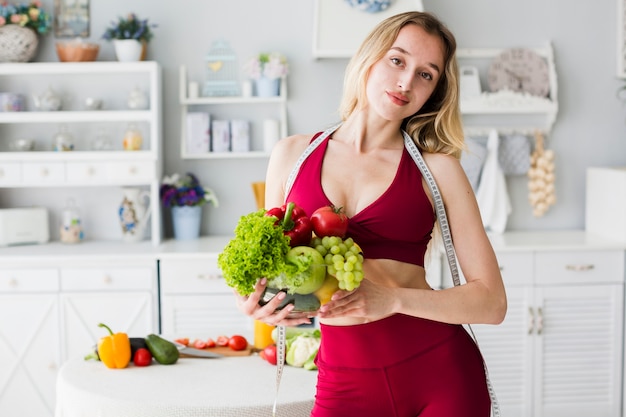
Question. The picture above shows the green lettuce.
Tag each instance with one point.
(258, 250)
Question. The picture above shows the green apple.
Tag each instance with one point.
(316, 273)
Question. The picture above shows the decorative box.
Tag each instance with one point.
(198, 132)
(240, 135)
(220, 136)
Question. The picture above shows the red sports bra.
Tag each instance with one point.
(397, 225)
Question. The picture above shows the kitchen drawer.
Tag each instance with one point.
(516, 268)
(195, 276)
(29, 280)
(131, 170)
(107, 279)
(203, 316)
(579, 267)
(43, 172)
(86, 172)
(10, 173)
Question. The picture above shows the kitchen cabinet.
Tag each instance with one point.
(559, 350)
(195, 301)
(91, 164)
(29, 341)
(50, 311)
(245, 108)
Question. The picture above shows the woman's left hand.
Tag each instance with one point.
(369, 301)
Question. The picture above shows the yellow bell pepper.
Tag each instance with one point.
(114, 350)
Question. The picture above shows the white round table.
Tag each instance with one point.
(192, 387)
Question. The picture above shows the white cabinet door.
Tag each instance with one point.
(578, 352)
(203, 316)
(128, 312)
(507, 350)
(29, 354)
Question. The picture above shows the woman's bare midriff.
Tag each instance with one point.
(388, 273)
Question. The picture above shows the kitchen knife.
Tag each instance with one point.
(197, 353)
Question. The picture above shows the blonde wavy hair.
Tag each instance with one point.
(437, 126)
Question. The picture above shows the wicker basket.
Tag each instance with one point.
(17, 44)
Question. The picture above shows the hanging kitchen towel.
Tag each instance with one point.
(514, 154)
(472, 161)
(492, 195)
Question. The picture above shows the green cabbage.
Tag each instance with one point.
(258, 250)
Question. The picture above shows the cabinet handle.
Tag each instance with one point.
(531, 320)
(208, 276)
(539, 320)
(52, 366)
(132, 170)
(13, 283)
(45, 172)
(579, 268)
(1, 173)
(107, 279)
(91, 171)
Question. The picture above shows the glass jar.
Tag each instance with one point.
(63, 140)
(132, 138)
(71, 230)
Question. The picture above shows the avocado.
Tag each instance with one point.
(163, 351)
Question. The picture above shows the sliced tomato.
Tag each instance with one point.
(210, 343)
(182, 341)
(221, 340)
(237, 342)
(199, 344)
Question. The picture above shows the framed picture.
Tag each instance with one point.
(341, 25)
(71, 18)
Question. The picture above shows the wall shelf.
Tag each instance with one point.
(219, 104)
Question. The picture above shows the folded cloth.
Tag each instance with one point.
(492, 195)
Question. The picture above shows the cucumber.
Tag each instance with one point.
(163, 351)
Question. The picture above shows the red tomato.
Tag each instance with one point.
(329, 221)
(269, 354)
(210, 343)
(199, 344)
(142, 357)
(222, 340)
(237, 342)
(182, 341)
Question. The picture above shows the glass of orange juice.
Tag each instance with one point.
(262, 334)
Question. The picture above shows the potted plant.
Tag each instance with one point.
(20, 27)
(130, 36)
(267, 69)
(185, 196)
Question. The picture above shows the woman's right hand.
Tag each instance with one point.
(268, 313)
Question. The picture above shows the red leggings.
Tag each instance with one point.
(400, 366)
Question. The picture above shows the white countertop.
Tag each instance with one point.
(213, 245)
(192, 387)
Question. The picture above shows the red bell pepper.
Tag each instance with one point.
(295, 223)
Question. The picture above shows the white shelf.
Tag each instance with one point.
(507, 111)
(86, 168)
(185, 101)
(76, 116)
(79, 156)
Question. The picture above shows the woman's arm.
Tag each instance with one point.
(481, 300)
(283, 158)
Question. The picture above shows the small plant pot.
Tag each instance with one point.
(186, 221)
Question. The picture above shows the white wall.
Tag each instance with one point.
(589, 131)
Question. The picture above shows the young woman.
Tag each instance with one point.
(394, 347)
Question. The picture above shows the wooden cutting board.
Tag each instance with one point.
(225, 351)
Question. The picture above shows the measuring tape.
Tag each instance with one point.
(280, 362)
(449, 247)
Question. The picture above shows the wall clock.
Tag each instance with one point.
(521, 70)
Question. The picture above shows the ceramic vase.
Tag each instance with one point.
(134, 212)
(266, 87)
(186, 221)
(128, 50)
(17, 43)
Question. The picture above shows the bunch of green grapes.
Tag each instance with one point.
(343, 258)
